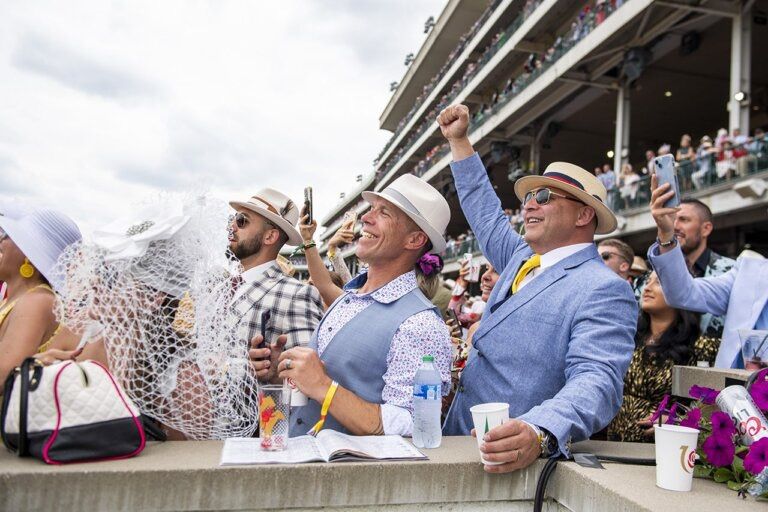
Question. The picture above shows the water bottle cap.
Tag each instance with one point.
(427, 359)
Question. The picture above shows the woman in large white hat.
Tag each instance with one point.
(30, 245)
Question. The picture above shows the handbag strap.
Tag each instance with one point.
(7, 391)
(25, 387)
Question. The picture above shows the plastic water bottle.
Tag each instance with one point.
(427, 402)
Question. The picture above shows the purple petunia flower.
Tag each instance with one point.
(719, 450)
(722, 424)
(759, 392)
(662, 408)
(692, 419)
(706, 395)
(757, 458)
(672, 418)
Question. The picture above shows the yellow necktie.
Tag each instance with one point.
(533, 262)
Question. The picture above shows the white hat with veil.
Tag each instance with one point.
(158, 286)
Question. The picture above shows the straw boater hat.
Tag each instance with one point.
(422, 203)
(277, 208)
(579, 183)
(42, 235)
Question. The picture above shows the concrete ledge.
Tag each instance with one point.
(186, 476)
(683, 377)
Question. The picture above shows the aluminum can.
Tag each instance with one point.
(749, 421)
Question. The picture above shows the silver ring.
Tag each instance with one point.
(287, 364)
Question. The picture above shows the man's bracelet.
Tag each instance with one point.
(669, 243)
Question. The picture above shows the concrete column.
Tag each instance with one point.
(621, 141)
(741, 71)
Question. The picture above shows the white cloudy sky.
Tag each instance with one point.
(103, 102)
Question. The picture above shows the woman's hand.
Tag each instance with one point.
(54, 355)
(342, 236)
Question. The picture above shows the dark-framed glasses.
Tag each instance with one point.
(543, 196)
(241, 220)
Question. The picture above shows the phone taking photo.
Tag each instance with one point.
(664, 168)
(308, 204)
(452, 316)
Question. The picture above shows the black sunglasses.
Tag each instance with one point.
(241, 220)
(543, 195)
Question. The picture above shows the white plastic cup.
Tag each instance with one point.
(675, 456)
(298, 399)
(486, 417)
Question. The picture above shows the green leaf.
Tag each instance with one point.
(702, 471)
(738, 465)
(734, 486)
(723, 475)
(740, 448)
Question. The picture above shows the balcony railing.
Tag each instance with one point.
(635, 193)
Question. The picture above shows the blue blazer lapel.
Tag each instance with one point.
(533, 289)
(760, 293)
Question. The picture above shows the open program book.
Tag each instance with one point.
(328, 446)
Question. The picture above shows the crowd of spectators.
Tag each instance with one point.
(711, 162)
(589, 17)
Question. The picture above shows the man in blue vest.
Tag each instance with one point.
(359, 368)
(558, 331)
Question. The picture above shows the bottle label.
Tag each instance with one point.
(427, 391)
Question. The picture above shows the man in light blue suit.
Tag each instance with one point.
(558, 331)
(741, 294)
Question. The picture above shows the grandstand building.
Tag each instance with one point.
(592, 83)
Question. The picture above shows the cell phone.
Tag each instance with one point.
(664, 167)
(308, 203)
(350, 217)
(452, 316)
(474, 268)
(265, 316)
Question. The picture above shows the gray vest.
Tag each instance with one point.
(356, 357)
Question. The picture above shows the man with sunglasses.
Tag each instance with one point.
(558, 332)
(618, 256)
(260, 227)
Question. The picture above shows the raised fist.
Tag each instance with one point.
(454, 122)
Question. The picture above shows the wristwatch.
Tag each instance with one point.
(547, 442)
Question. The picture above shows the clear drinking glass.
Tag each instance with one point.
(274, 416)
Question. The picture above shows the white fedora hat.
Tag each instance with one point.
(579, 183)
(422, 203)
(42, 235)
(277, 208)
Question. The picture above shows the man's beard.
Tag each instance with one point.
(245, 248)
(690, 244)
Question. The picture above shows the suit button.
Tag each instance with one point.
(299, 421)
(346, 301)
(330, 329)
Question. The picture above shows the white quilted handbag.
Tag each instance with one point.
(69, 412)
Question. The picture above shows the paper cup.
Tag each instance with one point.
(485, 417)
(298, 399)
(675, 456)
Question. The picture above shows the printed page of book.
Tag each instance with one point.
(340, 446)
(243, 450)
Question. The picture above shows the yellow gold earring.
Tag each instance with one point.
(26, 269)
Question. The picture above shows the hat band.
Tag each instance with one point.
(405, 204)
(266, 205)
(565, 179)
(569, 181)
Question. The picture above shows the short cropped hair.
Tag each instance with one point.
(625, 250)
(704, 212)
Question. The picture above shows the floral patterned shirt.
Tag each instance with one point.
(421, 334)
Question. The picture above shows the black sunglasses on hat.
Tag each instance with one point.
(543, 195)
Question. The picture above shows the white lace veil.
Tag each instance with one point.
(155, 287)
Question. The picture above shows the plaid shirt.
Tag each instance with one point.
(296, 308)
